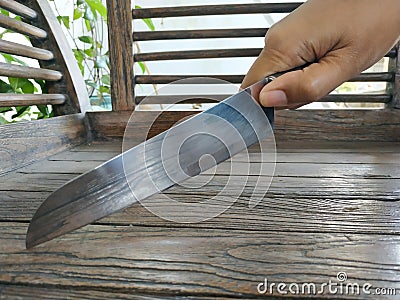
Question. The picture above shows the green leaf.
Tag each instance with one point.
(104, 89)
(97, 6)
(77, 14)
(10, 58)
(22, 85)
(5, 109)
(142, 66)
(106, 79)
(21, 110)
(149, 24)
(64, 20)
(3, 120)
(86, 39)
(5, 87)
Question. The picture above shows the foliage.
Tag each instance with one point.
(86, 29)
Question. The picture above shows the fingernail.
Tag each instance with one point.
(273, 98)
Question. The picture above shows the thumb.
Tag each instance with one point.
(307, 85)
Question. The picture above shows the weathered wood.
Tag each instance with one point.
(197, 263)
(198, 34)
(299, 125)
(185, 11)
(21, 27)
(24, 142)
(197, 54)
(52, 293)
(194, 99)
(121, 54)
(22, 50)
(7, 100)
(10, 70)
(395, 88)
(165, 79)
(72, 83)
(18, 9)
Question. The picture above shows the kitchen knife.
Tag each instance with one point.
(239, 121)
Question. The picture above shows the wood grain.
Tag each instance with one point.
(7, 100)
(121, 54)
(29, 72)
(21, 27)
(25, 142)
(195, 99)
(22, 50)
(209, 262)
(180, 11)
(18, 9)
(298, 125)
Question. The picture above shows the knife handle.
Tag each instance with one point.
(269, 111)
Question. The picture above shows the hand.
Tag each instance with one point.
(340, 38)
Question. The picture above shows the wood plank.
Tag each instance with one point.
(26, 51)
(201, 79)
(196, 99)
(298, 125)
(21, 27)
(17, 71)
(394, 66)
(198, 54)
(18, 9)
(24, 142)
(7, 100)
(197, 263)
(180, 11)
(198, 34)
(35, 292)
(121, 54)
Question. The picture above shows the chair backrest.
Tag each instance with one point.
(64, 85)
(125, 98)
(317, 124)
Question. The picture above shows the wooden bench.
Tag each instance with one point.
(332, 206)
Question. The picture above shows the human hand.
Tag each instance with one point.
(341, 38)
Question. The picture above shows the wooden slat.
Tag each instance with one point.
(298, 125)
(21, 27)
(7, 100)
(198, 54)
(26, 51)
(10, 70)
(193, 99)
(185, 262)
(121, 54)
(202, 79)
(198, 34)
(180, 11)
(24, 142)
(18, 9)
(394, 66)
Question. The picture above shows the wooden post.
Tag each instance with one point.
(395, 67)
(121, 54)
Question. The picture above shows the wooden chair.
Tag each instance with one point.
(332, 206)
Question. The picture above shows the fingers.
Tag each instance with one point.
(295, 88)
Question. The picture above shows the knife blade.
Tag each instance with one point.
(105, 190)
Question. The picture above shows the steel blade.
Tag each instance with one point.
(153, 166)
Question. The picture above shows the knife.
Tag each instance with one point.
(150, 168)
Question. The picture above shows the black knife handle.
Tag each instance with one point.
(269, 111)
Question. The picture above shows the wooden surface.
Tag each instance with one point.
(7, 100)
(331, 208)
(22, 50)
(18, 9)
(298, 125)
(24, 142)
(121, 54)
